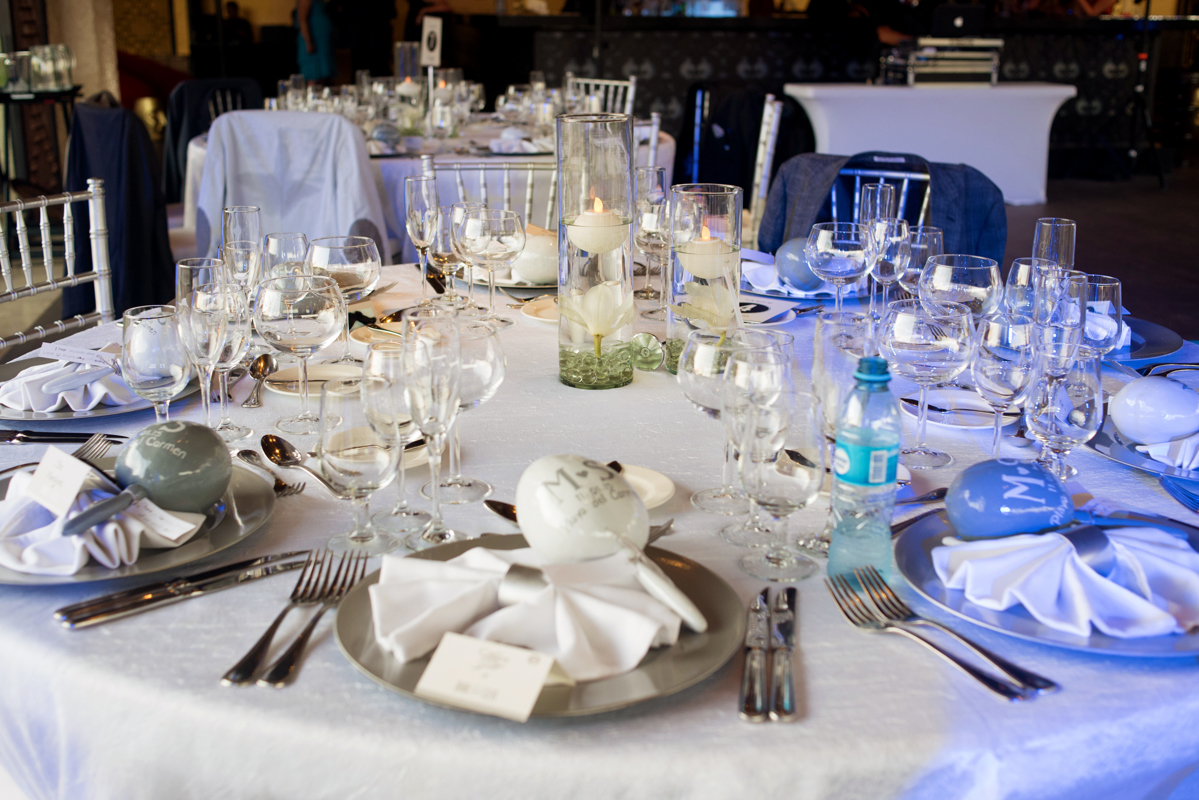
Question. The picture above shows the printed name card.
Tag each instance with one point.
(170, 524)
(57, 480)
(78, 355)
(488, 677)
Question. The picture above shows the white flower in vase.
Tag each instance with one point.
(711, 304)
(601, 311)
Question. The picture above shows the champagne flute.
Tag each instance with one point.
(359, 446)
(1003, 366)
(386, 360)
(492, 240)
(236, 344)
(242, 262)
(458, 213)
(154, 362)
(432, 376)
(927, 242)
(839, 252)
(1053, 240)
(1064, 410)
(202, 326)
(928, 345)
(876, 201)
(283, 254)
(972, 281)
(241, 224)
(651, 234)
(420, 220)
(300, 315)
(1021, 277)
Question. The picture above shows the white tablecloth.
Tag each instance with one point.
(133, 709)
(1001, 130)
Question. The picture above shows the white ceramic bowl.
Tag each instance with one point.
(1153, 410)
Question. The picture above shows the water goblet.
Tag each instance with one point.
(839, 252)
(420, 220)
(492, 240)
(928, 344)
(359, 447)
(299, 315)
(386, 360)
(202, 326)
(1003, 365)
(154, 362)
(1053, 240)
(926, 242)
(241, 224)
(1021, 278)
(1064, 409)
(972, 281)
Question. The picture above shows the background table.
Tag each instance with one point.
(133, 709)
(1001, 130)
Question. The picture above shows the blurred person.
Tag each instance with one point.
(314, 43)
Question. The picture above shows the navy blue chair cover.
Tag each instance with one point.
(192, 107)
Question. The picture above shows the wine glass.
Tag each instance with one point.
(386, 360)
(154, 362)
(458, 213)
(875, 201)
(1021, 278)
(192, 273)
(972, 281)
(1059, 316)
(1003, 366)
(893, 243)
(928, 345)
(492, 240)
(283, 254)
(352, 261)
(483, 367)
(782, 468)
(1053, 240)
(1064, 410)
(241, 224)
(300, 315)
(202, 326)
(1104, 323)
(651, 233)
(242, 262)
(236, 344)
(445, 258)
(358, 448)
(432, 377)
(701, 374)
(420, 220)
(927, 242)
(839, 252)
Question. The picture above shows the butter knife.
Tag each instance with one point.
(145, 602)
(753, 682)
(782, 647)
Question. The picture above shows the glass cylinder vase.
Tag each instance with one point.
(705, 263)
(596, 308)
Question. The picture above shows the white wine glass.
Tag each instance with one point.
(458, 213)
(1003, 366)
(1064, 410)
(154, 362)
(241, 224)
(243, 263)
(893, 251)
(1021, 278)
(192, 273)
(352, 261)
(650, 234)
(1053, 240)
(926, 242)
(492, 240)
(420, 220)
(235, 346)
(972, 281)
(283, 254)
(386, 360)
(202, 326)
(1059, 317)
(839, 252)
(1105, 316)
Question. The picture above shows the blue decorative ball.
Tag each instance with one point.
(793, 267)
(1004, 497)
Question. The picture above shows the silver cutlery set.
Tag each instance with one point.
(768, 690)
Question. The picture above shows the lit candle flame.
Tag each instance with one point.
(441, 85)
(598, 206)
(407, 80)
(705, 234)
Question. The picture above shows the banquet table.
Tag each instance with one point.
(134, 708)
(1002, 130)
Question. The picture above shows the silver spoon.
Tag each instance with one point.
(260, 370)
(283, 453)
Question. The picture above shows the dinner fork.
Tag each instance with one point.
(307, 592)
(350, 570)
(861, 617)
(90, 451)
(896, 610)
(1184, 496)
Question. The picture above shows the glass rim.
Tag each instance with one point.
(241, 244)
(358, 241)
(421, 179)
(240, 209)
(1103, 280)
(286, 235)
(151, 312)
(1055, 221)
(707, 189)
(197, 262)
(835, 226)
(588, 118)
(322, 279)
(968, 261)
(833, 315)
(929, 309)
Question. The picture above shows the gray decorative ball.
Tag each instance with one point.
(183, 466)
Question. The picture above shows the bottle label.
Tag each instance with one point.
(866, 466)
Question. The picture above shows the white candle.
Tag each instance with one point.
(709, 258)
(599, 230)
(408, 88)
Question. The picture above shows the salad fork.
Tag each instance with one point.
(1184, 496)
(894, 609)
(861, 617)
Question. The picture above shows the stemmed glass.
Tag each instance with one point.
(283, 254)
(458, 213)
(432, 376)
(445, 258)
(1059, 317)
(972, 281)
(1053, 240)
(893, 243)
(420, 219)
(154, 362)
(839, 252)
(876, 201)
(192, 273)
(483, 368)
(352, 261)
(241, 224)
(927, 242)
(651, 234)
(300, 315)
(492, 240)
(927, 344)
(1021, 279)
(1105, 317)
(1003, 366)
(202, 326)
(1064, 410)
(242, 263)
(358, 448)
(236, 343)
(386, 360)
(782, 468)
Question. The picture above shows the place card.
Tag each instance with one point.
(488, 677)
(161, 521)
(57, 481)
(77, 355)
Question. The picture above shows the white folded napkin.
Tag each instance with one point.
(1182, 452)
(1153, 590)
(31, 537)
(24, 392)
(765, 278)
(1100, 326)
(594, 618)
(540, 144)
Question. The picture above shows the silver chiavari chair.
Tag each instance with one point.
(768, 137)
(655, 126)
(100, 275)
(476, 173)
(616, 97)
(906, 180)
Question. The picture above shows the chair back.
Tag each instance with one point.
(768, 136)
(477, 174)
(191, 110)
(914, 192)
(100, 275)
(650, 139)
(616, 97)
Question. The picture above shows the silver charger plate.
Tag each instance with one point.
(249, 503)
(662, 672)
(1149, 340)
(98, 411)
(913, 555)
(1108, 441)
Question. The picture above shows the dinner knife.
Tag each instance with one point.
(51, 437)
(782, 647)
(172, 585)
(911, 401)
(753, 682)
(137, 604)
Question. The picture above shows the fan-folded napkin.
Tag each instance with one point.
(1152, 591)
(593, 617)
(31, 537)
(1182, 452)
(765, 278)
(24, 392)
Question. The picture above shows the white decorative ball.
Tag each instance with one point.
(538, 262)
(1153, 410)
(567, 503)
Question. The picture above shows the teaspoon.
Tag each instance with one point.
(283, 453)
(260, 370)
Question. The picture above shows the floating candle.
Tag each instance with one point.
(599, 230)
(408, 88)
(709, 258)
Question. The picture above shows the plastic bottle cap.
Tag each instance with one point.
(872, 368)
